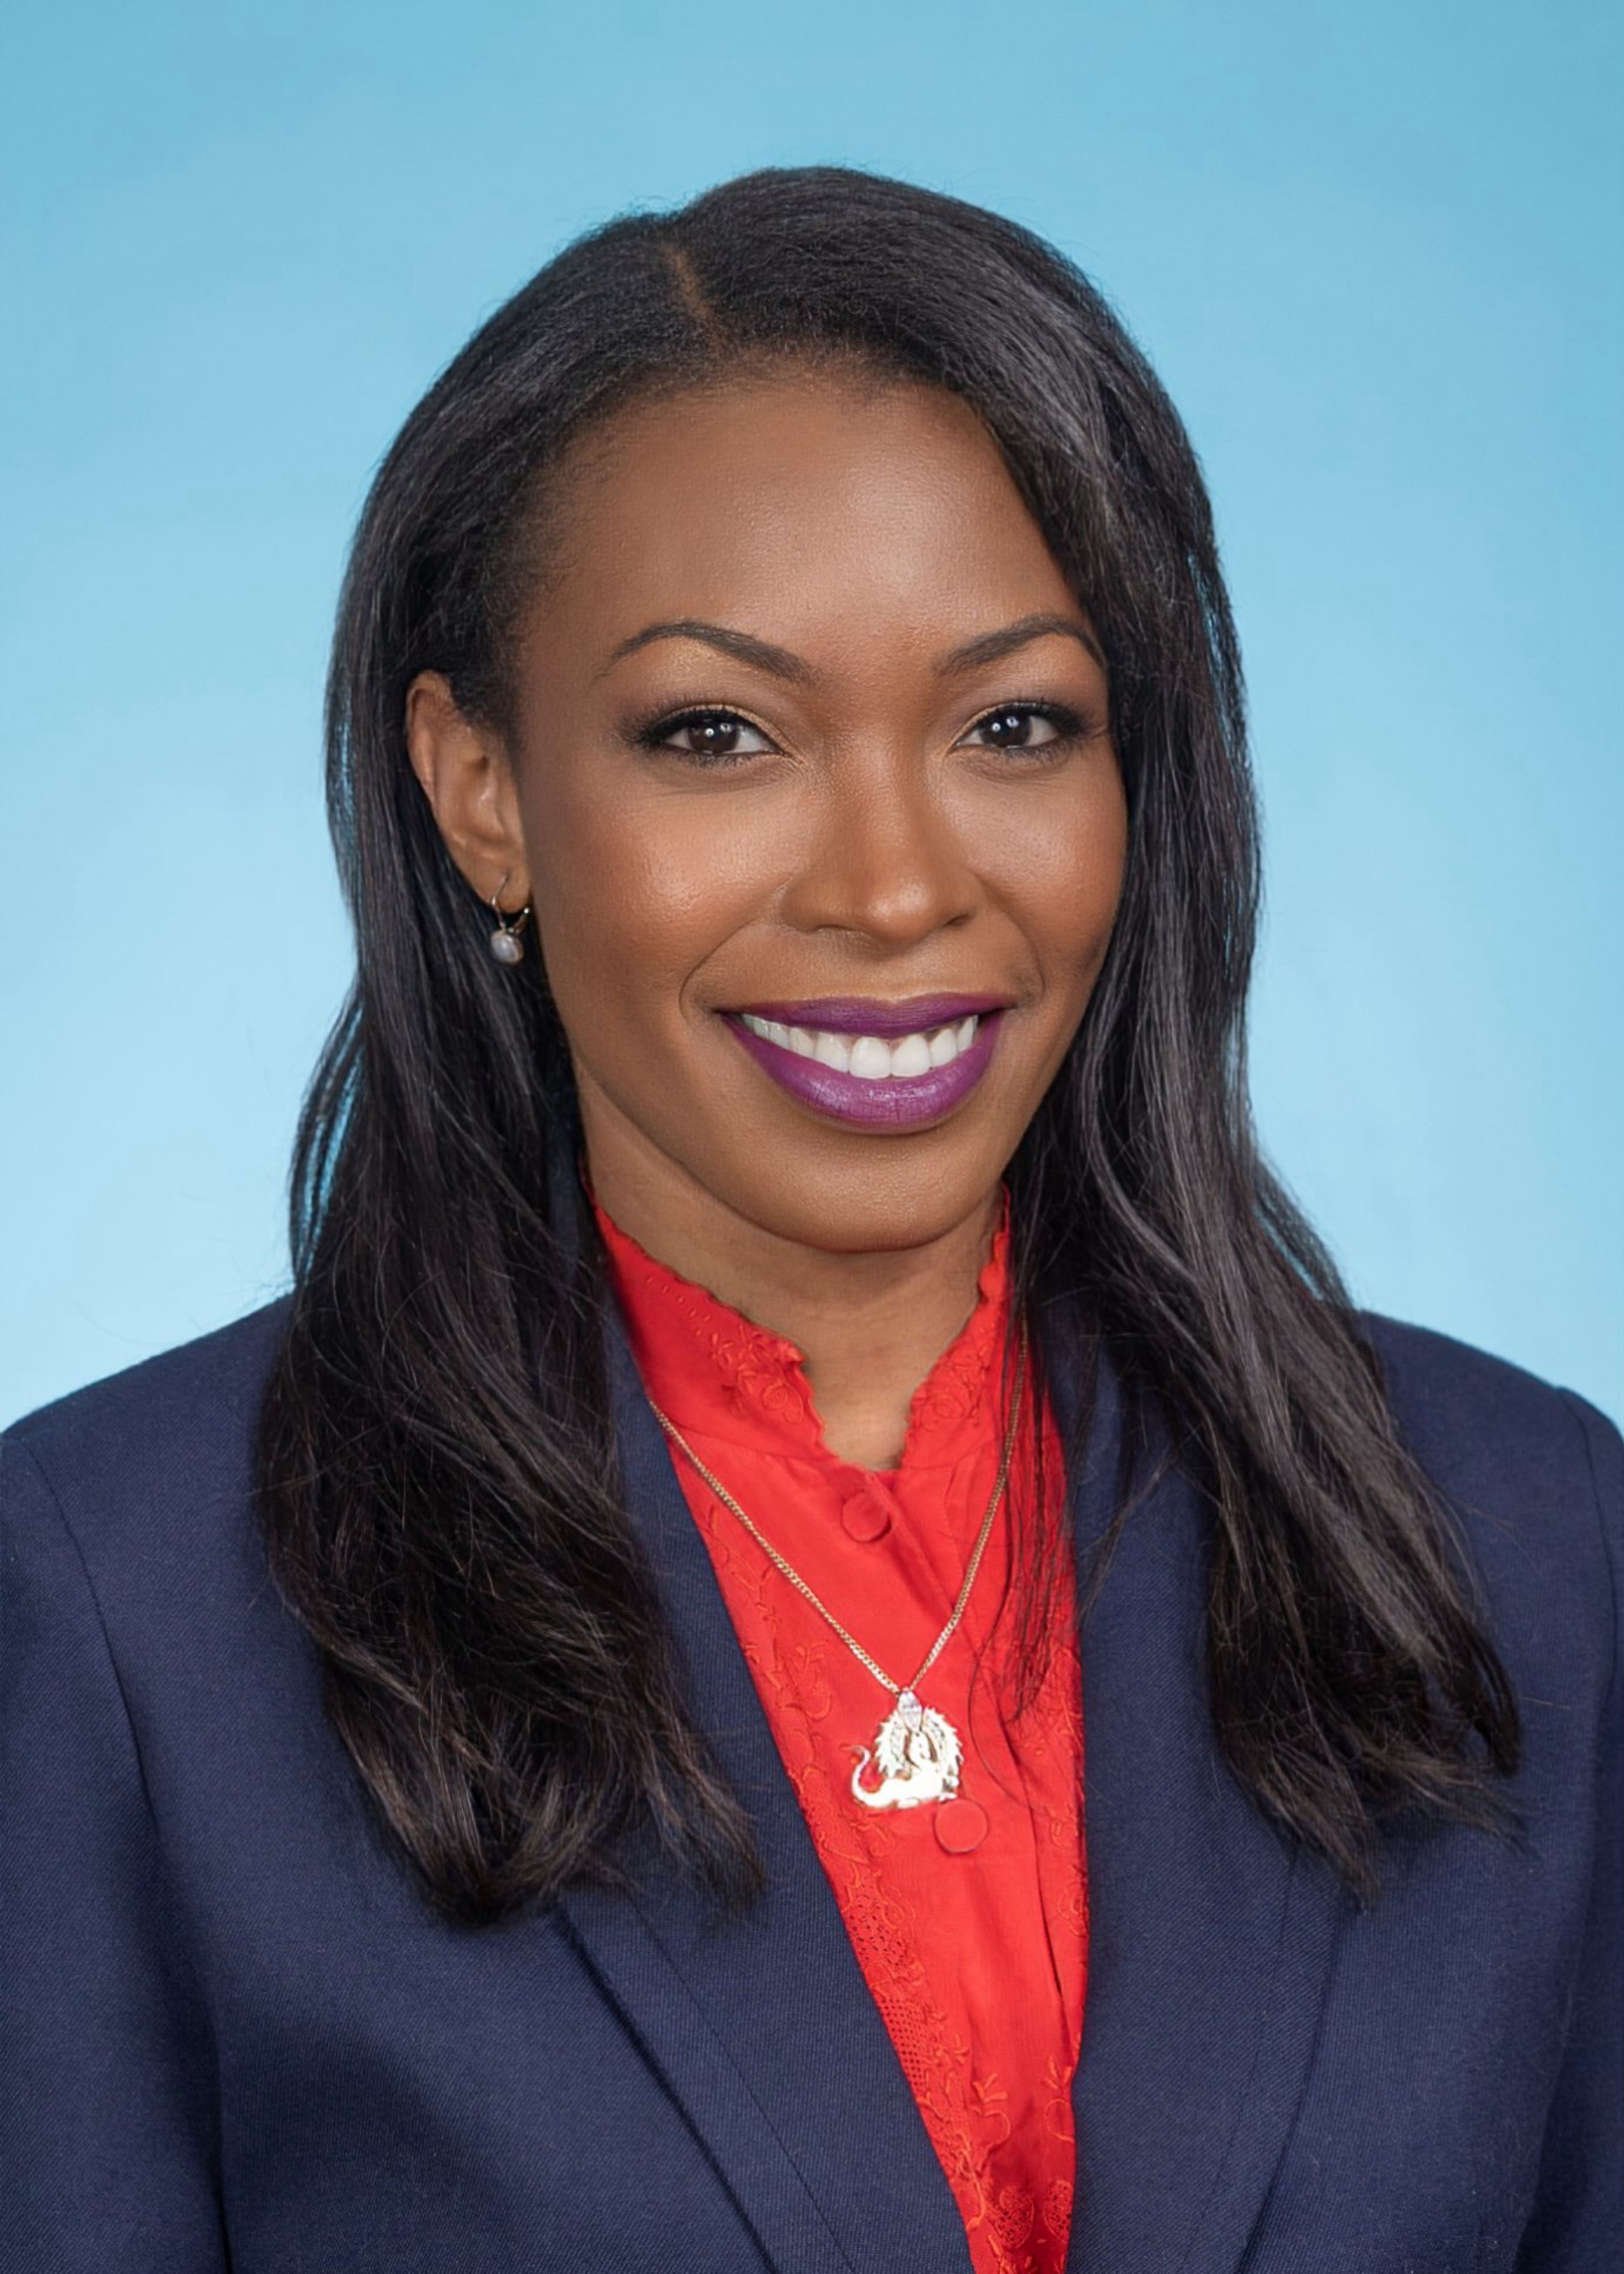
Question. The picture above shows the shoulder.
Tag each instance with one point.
(1534, 1477)
(143, 1455)
(1483, 1426)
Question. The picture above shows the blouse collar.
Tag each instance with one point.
(718, 1374)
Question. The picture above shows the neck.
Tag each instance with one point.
(869, 1326)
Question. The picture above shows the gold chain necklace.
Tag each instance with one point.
(917, 1750)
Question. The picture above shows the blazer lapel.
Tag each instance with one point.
(1210, 1942)
(763, 2028)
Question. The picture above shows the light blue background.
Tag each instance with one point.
(1373, 251)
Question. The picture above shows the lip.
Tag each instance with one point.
(860, 1014)
(900, 1100)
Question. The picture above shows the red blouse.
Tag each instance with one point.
(976, 1952)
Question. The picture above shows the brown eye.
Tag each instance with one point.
(711, 735)
(1023, 726)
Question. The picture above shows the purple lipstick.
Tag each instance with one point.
(874, 1065)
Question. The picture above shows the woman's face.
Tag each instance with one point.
(811, 784)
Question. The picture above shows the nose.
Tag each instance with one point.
(883, 862)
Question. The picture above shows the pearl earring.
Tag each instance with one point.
(505, 943)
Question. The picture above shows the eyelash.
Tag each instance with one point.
(1070, 726)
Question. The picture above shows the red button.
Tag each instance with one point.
(865, 1518)
(961, 1825)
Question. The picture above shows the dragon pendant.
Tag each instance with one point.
(917, 1753)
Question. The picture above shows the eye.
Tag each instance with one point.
(707, 734)
(1026, 727)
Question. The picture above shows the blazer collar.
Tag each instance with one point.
(763, 2028)
(1209, 1941)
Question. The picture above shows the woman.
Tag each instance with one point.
(780, 1245)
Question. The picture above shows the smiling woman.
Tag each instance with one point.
(841, 807)
(781, 1260)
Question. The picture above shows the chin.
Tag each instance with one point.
(882, 1208)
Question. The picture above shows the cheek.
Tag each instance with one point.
(632, 894)
(1057, 867)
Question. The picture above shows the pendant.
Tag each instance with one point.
(917, 1753)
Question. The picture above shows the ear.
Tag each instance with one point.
(468, 781)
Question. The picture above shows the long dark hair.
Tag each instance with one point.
(436, 1461)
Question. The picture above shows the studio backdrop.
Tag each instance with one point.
(1373, 252)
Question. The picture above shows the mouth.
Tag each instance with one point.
(874, 1065)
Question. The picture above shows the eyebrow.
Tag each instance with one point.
(744, 647)
(992, 647)
(782, 663)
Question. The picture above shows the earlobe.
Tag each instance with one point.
(465, 773)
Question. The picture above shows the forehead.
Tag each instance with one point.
(795, 504)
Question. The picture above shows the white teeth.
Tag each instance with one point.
(866, 1056)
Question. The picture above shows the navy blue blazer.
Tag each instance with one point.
(234, 2036)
